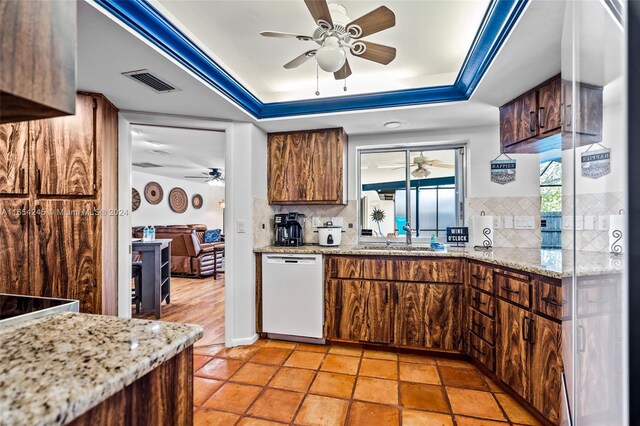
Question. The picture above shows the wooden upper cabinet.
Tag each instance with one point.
(14, 262)
(584, 113)
(512, 352)
(14, 153)
(518, 119)
(549, 107)
(37, 59)
(65, 152)
(546, 367)
(307, 167)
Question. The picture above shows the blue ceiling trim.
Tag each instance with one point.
(143, 18)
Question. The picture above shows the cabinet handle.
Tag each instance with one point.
(540, 117)
(508, 290)
(525, 333)
(551, 301)
(478, 277)
(38, 180)
(530, 332)
(22, 216)
(37, 213)
(22, 180)
(532, 121)
(561, 114)
(568, 120)
(477, 349)
(582, 342)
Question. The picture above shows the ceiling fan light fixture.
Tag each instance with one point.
(331, 56)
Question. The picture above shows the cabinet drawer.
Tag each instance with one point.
(344, 267)
(548, 298)
(481, 325)
(481, 276)
(513, 287)
(394, 269)
(482, 351)
(482, 302)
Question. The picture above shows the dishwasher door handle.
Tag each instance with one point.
(295, 260)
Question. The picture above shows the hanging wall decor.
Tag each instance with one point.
(196, 201)
(153, 193)
(595, 163)
(178, 200)
(503, 171)
(135, 199)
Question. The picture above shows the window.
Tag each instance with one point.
(419, 186)
(551, 204)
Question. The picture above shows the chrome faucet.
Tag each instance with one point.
(407, 230)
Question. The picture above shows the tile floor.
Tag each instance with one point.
(274, 382)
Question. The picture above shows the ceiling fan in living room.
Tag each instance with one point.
(421, 163)
(212, 177)
(338, 34)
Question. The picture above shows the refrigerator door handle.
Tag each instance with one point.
(565, 395)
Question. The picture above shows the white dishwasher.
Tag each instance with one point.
(292, 295)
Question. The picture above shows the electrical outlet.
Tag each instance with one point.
(579, 223)
(497, 222)
(240, 226)
(567, 223)
(524, 222)
(315, 221)
(589, 222)
(508, 222)
(603, 223)
(337, 221)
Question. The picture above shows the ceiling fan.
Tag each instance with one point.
(421, 163)
(213, 176)
(336, 33)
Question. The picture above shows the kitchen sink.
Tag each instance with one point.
(401, 247)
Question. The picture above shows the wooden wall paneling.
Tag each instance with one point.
(377, 324)
(546, 367)
(65, 152)
(14, 234)
(549, 107)
(38, 59)
(163, 396)
(512, 352)
(344, 309)
(63, 243)
(14, 153)
(409, 314)
(443, 316)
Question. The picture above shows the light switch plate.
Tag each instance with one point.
(579, 223)
(508, 222)
(523, 222)
(240, 226)
(315, 221)
(603, 223)
(589, 222)
(497, 222)
(337, 221)
(567, 223)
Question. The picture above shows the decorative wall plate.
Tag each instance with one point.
(196, 201)
(153, 193)
(135, 199)
(178, 200)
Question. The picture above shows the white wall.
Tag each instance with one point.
(161, 214)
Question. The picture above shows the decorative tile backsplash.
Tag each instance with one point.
(508, 206)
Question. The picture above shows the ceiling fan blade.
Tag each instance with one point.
(300, 59)
(373, 22)
(343, 72)
(441, 164)
(279, 34)
(374, 52)
(196, 177)
(319, 9)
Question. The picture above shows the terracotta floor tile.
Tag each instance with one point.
(417, 359)
(210, 350)
(309, 347)
(425, 418)
(238, 352)
(214, 418)
(322, 411)
(260, 343)
(376, 390)
(369, 353)
(492, 385)
(332, 384)
(455, 363)
(302, 359)
(423, 396)
(462, 378)
(345, 350)
(515, 411)
(199, 361)
(219, 368)
(233, 397)
(382, 369)
(250, 421)
(474, 403)
(363, 413)
(203, 389)
(268, 355)
(419, 373)
(275, 404)
(255, 374)
(469, 421)
(280, 344)
(294, 379)
(341, 364)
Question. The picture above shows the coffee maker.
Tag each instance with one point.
(289, 229)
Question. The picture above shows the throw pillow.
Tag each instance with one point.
(212, 235)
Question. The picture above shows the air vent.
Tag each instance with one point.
(146, 165)
(153, 82)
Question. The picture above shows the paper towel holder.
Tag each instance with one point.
(487, 242)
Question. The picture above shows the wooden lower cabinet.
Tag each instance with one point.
(343, 309)
(512, 351)
(377, 326)
(546, 367)
(409, 314)
(14, 262)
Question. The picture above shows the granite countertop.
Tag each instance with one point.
(550, 263)
(55, 368)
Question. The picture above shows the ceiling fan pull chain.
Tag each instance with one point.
(345, 84)
(317, 81)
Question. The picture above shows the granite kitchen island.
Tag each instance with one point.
(79, 369)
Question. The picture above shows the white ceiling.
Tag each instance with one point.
(180, 152)
(432, 39)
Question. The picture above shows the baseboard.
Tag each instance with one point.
(245, 341)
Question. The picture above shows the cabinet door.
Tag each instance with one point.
(14, 262)
(443, 316)
(64, 238)
(343, 309)
(377, 324)
(586, 115)
(518, 119)
(65, 152)
(511, 347)
(546, 367)
(14, 154)
(549, 107)
(409, 314)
